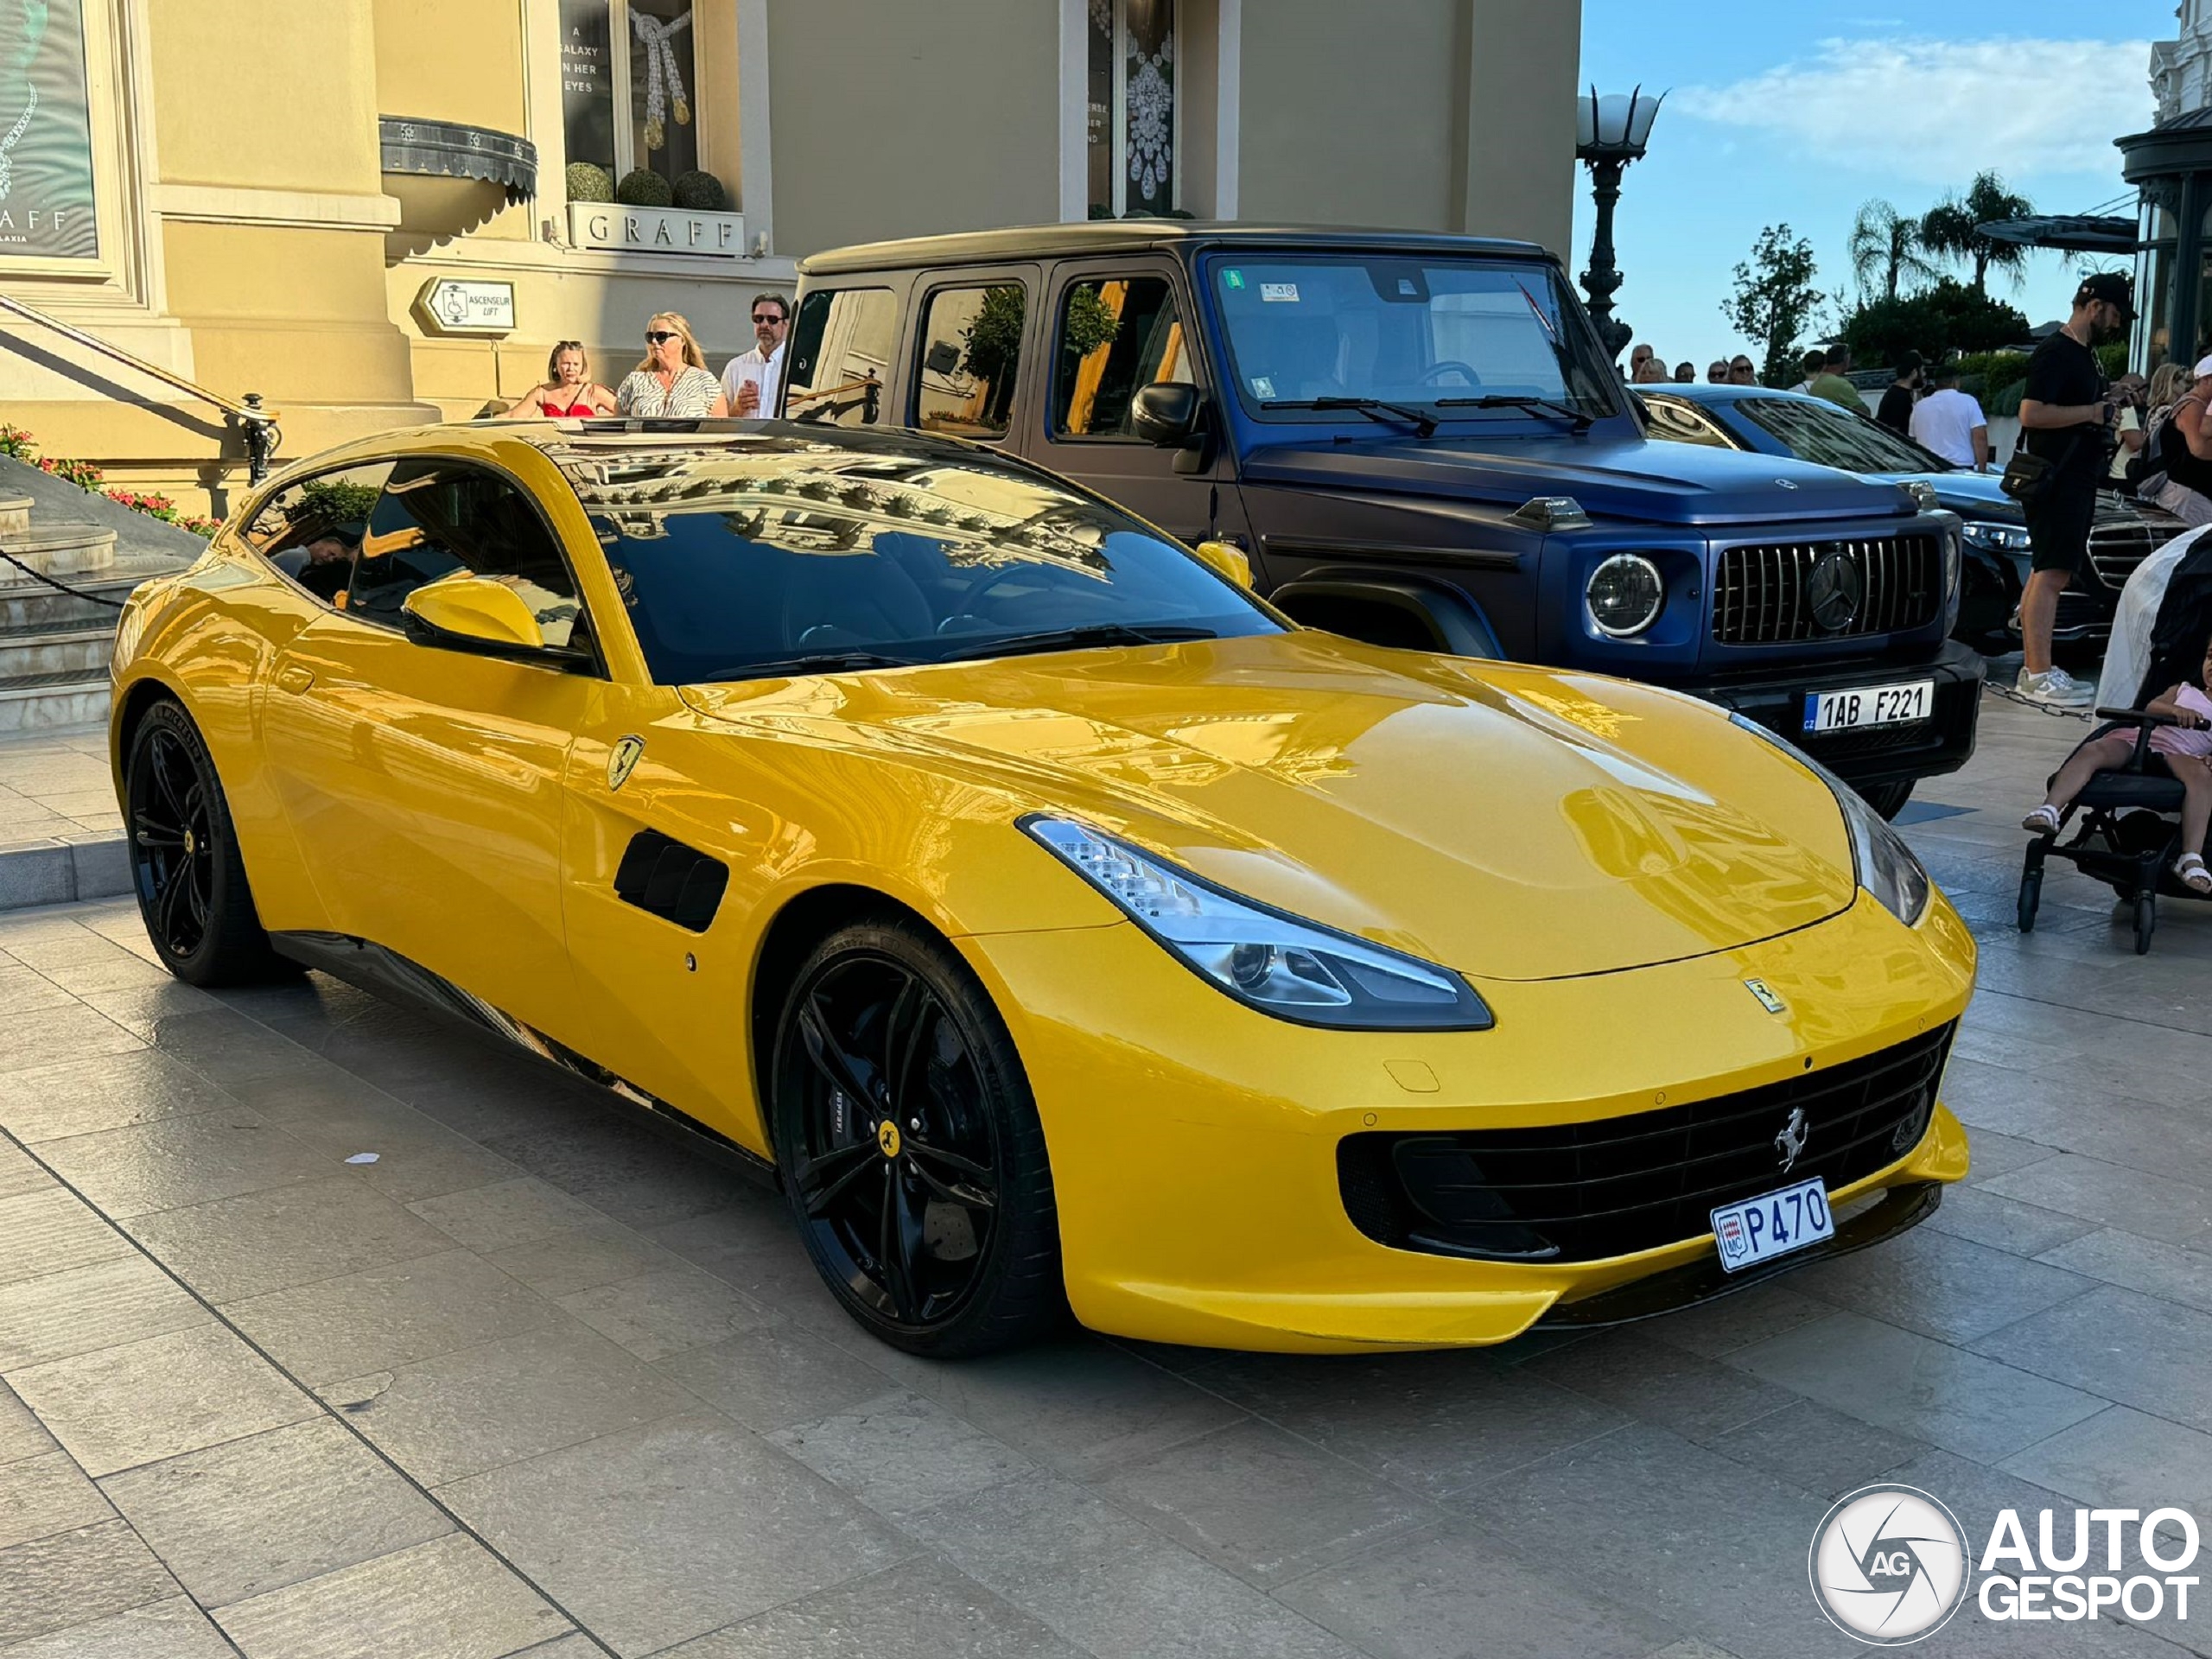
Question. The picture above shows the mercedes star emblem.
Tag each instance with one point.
(1834, 591)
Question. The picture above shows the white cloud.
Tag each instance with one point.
(1938, 111)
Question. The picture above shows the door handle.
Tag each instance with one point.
(294, 678)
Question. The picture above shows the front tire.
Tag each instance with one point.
(1888, 799)
(911, 1147)
(185, 865)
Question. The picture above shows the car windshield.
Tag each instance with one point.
(1833, 436)
(1447, 338)
(748, 554)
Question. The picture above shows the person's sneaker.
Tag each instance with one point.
(2054, 686)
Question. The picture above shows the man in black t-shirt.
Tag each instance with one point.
(2064, 418)
(1896, 411)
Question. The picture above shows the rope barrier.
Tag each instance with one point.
(63, 587)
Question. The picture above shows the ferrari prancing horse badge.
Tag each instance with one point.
(622, 759)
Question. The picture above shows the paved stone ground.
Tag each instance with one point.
(536, 1381)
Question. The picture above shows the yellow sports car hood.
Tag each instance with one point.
(1511, 822)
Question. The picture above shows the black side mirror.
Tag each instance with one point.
(1166, 413)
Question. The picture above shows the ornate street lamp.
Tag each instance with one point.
(1608, 133)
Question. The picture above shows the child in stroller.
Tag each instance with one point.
(2183, 750)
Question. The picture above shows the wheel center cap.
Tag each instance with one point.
(190, 846)
(886, 1138)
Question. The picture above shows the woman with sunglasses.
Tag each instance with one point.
(569, 392)
(673, 380)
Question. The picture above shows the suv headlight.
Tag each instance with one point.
(1884, 866)
(1293, 969)
(1997, 539)
(1624, 594)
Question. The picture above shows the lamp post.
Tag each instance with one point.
(1610, 132)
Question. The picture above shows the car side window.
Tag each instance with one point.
(1115, 339)
(841, 357)
(970, 353)
(311, 529)
(437, 516)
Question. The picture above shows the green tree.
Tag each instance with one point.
(1950, 231)
(992, 348)
(1944, 317)
(1886, 250)
(1775, 301)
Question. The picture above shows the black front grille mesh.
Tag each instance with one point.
(1762, 594)
(1583, 1191)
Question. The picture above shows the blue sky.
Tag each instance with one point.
(1798, 110)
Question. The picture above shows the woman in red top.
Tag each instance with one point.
(569, 392)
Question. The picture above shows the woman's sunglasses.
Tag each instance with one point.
(660, 336)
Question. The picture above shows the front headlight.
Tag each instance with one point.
(1293, 969)
(1624, 594)
(1884, 866)
(1997, 539)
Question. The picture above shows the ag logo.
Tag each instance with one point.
(622, 759)
(1888, 1565)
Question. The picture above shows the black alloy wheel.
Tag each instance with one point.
(911, 1147)
(185, 866)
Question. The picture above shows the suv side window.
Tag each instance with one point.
(1116, 337)
(970, 352)
(840, 357)
(311, 528)
(436, 517)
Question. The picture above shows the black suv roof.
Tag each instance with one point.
(1132, 236)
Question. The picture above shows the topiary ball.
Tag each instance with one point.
(588, 182)
(643, 187)
(698, 192)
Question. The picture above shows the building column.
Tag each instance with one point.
(755, 192)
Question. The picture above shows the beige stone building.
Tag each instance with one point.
(374, 213)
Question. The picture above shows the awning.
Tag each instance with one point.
(449, 178)
(2073, 233)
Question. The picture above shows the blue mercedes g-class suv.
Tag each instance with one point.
(1418, 442)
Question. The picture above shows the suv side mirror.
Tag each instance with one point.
(1166, 413)
(464, 611)
(1227, 561)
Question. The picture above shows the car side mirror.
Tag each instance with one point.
(1166, 413)
(1227, 561)
(464, 612)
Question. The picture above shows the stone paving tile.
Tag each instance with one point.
(251, 1515)
(583, 1258)
(386, 1316)
(416, 1157)
(41, 1495)
(921, 1611)
(1817, 1451)
(143, 1402)
(51, 1232)
(148, 997)
(664, 1313)
(899, 1454)
(175, 1161)
(1103, 1580)
(2127, 1347)
(22, 1434)
(225, 1047)
(83, 1097)
(447, 1600)
(622, 1168)
(1940, 1286)
(461, 1413)
(70, 1032)
(503, 1214)
(2123, 1458)
(1628, 1371)
(173, 1628)
(2112, 1196)
(2172, 1272)
(26, 990)
(88, 1308)
(233, 1249)
(772, 1378)
(657, 1535)
(20, 1172)
(2004, 1223)
(69, 1578)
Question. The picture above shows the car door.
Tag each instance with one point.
(1113, 330)
(971, 338)
(424, 782)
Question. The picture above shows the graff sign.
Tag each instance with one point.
(45, 135)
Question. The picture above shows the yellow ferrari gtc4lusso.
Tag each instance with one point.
(1062, 926)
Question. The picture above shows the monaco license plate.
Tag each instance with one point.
(1872, 705)
(1774, 1223)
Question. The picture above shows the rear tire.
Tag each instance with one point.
(185, 865)
(2147, 921)
(1888, 799)
(910, 1148)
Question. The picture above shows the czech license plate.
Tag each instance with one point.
(1872, 705)
(1774, 1223)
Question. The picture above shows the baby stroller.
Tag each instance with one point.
(2127, 823)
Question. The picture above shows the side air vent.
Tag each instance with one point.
(672, 880)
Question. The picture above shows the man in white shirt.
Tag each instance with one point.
(1951, 423)
(751, 381)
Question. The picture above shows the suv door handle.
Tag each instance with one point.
(294, 678)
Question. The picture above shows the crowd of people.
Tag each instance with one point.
(672, 379)
(1647, 368)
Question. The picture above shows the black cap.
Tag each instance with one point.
(2112, 288)
(1908, 362)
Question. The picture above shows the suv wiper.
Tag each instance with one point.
(1097, 633)
(822, 662)
(1374, 407)
(1521, 400)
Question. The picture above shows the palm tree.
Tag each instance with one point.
(1885, 242)
(1950, 229)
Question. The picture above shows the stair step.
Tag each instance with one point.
(25, 652)
(26, 602)
(60, 548)
(15, 515)
(38, 702)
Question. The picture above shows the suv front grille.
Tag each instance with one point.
(1763, 594)
(2117, 546)
(1562, 1192)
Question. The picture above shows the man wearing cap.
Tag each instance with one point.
(2065, 415)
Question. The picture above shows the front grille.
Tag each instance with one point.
(2117, 547)
(1565, 1192)
(1763, 594)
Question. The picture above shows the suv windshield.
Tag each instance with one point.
(749, 556)
(1438, 335)
(1834, 436)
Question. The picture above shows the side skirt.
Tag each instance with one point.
(399, 979)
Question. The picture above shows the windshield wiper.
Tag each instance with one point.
(1521, 400)
(1374, 407)
(822, 662)
(1097, 633)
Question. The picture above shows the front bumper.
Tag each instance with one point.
(1875, 754)
(1194, 1143)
